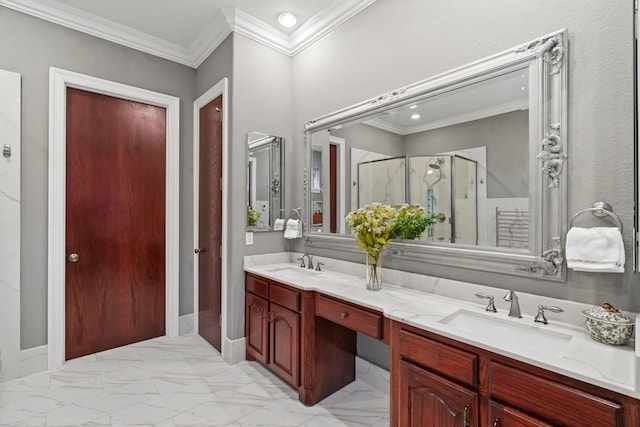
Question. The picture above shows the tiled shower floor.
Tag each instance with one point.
(179, 382)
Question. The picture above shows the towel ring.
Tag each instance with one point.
(599, 209)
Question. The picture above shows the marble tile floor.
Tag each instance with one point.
(179, 382)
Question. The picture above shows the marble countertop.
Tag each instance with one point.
(429, 308)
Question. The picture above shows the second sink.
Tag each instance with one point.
(509, 334)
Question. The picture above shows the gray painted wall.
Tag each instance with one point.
(387, 46)
(30, 46)
(262, 102)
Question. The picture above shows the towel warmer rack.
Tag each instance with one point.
(512, 229)
(599, 209)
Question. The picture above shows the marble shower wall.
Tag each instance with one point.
(382, 181)
(9, 225)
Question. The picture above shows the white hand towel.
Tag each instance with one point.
(278, 225)
(597, 249)
(294, 229)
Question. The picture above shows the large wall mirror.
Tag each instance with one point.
(481, 146)
(265, 185)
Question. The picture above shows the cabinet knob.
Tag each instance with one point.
(343, 315)
(74, 258)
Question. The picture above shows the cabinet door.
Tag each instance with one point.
(504, 416)
(284, 343)
(257, 332)
(429, 400)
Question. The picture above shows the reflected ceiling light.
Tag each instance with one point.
(415, 116)
(287, 19)
(413, 107)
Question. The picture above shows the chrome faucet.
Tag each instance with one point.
(514, 309)
(301, 259)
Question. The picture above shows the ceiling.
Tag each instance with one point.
(187, 31)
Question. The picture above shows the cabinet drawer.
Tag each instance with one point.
(350, 316)
(562, 404)
(285, 297)
(257, 285)
(448, 361)
(500, 415)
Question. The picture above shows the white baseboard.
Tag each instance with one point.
(234, 350)
(187, 324)
(34, 360)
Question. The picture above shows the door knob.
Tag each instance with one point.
(198, 250)
(74, 258)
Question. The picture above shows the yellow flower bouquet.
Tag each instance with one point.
(374, 226)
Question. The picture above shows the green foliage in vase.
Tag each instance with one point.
(411, 222)
(252, 217)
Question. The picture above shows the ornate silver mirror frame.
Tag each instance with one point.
(546, 60)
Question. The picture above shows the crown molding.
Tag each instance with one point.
(327, 20)
(87, 23)
(223, 23)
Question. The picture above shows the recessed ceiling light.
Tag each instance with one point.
(415, 116)
(287, 19)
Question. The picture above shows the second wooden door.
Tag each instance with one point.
(210, 223)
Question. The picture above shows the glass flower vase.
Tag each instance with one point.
(373, 272)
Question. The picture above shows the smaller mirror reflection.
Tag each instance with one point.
(265, 185)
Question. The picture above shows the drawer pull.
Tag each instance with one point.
(495, 422)
(465, 416)
(343, 315)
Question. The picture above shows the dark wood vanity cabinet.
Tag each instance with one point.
(307, 338)
(272, 327)
(434, 380)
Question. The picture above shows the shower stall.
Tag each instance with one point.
(445, 185)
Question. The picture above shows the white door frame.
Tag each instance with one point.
(59, 81)
(220, 88)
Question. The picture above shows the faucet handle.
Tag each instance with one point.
(318, 264)
(541, 318)
(301, 259)
(490, 305)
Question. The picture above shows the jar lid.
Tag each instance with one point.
(608, 313)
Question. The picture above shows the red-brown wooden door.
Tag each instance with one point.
(210, 224)
(115, 222)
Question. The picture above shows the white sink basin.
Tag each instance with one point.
(511, 335)
(292, 272)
